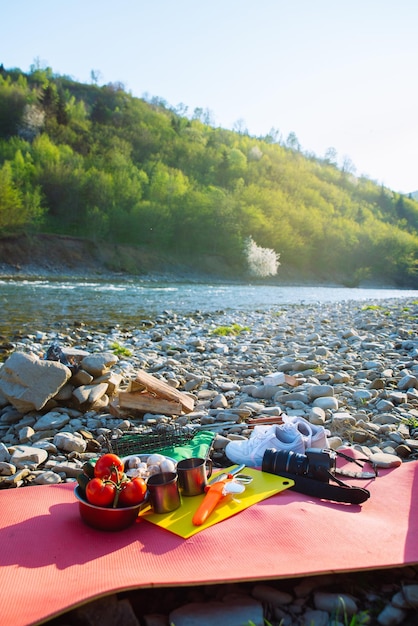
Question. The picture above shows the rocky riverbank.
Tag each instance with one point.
(356, 369)
(56, 257)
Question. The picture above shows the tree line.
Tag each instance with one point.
(96, 162)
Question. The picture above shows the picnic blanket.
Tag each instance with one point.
(51, 561)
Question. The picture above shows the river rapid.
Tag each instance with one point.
(38, 304)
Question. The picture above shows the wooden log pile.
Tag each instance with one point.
(148, 394)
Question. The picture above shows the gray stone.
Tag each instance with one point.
(72, 470)
(219, 402)
(228, 386)
(314, 617)
(25, 434)
(370, 365)
(343, 418)
(64, 394)
(28, 382)
(408, 382)
(264, 392)
(348, 333)
(4, 453)
(385, 418)
(70, 442)
(81, 378)
(293, 396)
(340, 377)
(28, 456)
(410, 594)
(320, 391)
(317, 416)
(7, 469)
(47, 478)
(98, 364)
(339, 603)
(16, 479)
(403, 451)
(47, 445)
(362, 396)
(242, 612)
(326, 403)
(53, 420)
(11, 415)
(391, 616)
(89, 394)
(3, 400)
(383, 460)
(384, 405)
(397, 397)
(271, 595)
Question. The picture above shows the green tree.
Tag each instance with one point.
(12, 106)
(18, 208)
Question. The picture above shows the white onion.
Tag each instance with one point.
(155, 459)
(167, 466)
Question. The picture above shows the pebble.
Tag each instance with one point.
(382, 598)
(241, 610)
(338, 603)
(357, 375)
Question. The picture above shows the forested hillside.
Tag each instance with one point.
(95, 162)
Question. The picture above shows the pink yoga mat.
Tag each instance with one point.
(51, 562)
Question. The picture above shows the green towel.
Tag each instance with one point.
(199, 447)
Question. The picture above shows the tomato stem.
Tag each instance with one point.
(116, 498)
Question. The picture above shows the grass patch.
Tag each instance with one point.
(234, 329)
(120, 350)
(411, 422)
(376, 307)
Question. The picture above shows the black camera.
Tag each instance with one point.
(316, 463)
(313, 473)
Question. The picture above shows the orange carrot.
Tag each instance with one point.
(213, 496)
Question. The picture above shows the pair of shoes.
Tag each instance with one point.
(296, 434)
(251, 451)
(314, 436)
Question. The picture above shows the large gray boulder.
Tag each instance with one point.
(29, 382)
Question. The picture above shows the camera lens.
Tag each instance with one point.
(279, 461)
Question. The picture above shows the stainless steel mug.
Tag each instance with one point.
(193, 475)
(164, 492)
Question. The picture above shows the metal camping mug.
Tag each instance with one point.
(193, 475)
(164, 492)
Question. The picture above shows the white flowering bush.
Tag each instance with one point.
(261, 261)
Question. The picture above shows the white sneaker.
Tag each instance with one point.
(251, 451)
(314, 436)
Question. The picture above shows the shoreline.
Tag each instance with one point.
(34, 272)
(55, 257)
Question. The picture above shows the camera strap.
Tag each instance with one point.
(339, 492)
(360, 462)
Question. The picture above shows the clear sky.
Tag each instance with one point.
(340, 74)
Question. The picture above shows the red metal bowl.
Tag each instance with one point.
(104, 518)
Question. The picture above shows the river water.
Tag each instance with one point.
(41, 303)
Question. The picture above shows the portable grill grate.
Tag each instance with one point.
(152, 440)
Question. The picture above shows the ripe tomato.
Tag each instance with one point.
(132, 492)
(109, 467)
(100, 493)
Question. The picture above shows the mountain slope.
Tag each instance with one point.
(97, 164)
